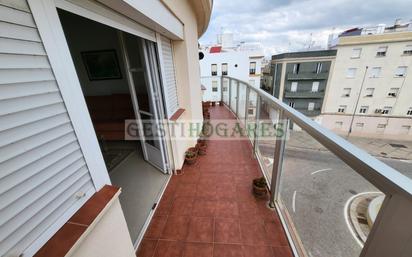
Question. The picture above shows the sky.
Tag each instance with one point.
(294, 25)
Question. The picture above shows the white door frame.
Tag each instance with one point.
(48, 23)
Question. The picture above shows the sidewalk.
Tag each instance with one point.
(377, 147)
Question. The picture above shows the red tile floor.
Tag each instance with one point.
(210, 211)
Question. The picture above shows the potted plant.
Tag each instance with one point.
(201, 147)
(260, 187)
(213, 103)
(191, 156)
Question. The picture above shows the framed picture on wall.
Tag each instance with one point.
(101, 65)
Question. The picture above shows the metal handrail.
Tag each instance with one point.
(384, 177)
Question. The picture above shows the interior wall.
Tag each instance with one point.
(86, 35)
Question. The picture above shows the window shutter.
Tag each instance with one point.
(168, 76)
(44, 178)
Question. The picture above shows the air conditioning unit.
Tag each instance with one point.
(378, 111)
(392, 94)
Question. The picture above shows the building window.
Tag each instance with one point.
(296, 68)
(387, 110)
(214, 69)
(315, 86)
(225, 82)
(214, 86)
(405, 129)
(382, 51)
(380, 128)
(375, 72)
(224, 69)
(292, 104)
(342, 108)
(339, 124)
(393, 92)
(351, 73)
(409, 112)
(346, 92)
(252, 68)
(401, 71)
(369, 92)
(356, 53)
(363, 109)
(408, 50)
(294, 87)
(319, 66)
(311, 106)
(359, 125)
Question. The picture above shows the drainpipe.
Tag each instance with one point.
(357, 101)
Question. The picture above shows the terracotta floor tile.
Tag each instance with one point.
(203, 208)
(282, 251)
(168, 249)
(200, 230)
(198, 250)
(165, 205)
(253, 233)
(274, 234)
(176, 228)
(182, 206)
(147, 248)
(185, 190)
(228, 250)
(227, 230)
(226, 209)
(257, 251)
(156, 227)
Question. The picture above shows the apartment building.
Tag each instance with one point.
(370, 89)
(301, 79)
(229, 58)
(72, 73)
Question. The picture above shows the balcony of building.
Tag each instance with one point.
(307, 76)
(304, 94)
(309, 113)
(327, 197)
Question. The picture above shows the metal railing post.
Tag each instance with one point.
(237, 99)
(391, 234)
(278, 159)
(256, 123)
(221, 89)
(246, 105)
(230, 93)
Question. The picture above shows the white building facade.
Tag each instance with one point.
(371, 86)
(242, 61)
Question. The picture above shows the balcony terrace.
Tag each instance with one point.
(320, 187)
(307, 76)
(303, 94)
(210, 210)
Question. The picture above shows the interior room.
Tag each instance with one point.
(99, 54)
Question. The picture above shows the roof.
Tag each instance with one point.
(215, 49)
(305, 54)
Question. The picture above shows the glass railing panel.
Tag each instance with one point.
(233, 95)
(268, 122)
(251, 113)
(225, 89)
(241, 110)
(328, 205)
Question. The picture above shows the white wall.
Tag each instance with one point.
(240, 58)
(382, 85)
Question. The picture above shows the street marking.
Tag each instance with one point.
(294, 202)
(313, 173)
(346, 215)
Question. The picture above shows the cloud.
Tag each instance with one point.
(290, 25)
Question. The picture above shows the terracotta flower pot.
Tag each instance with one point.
(213, 103)
(201, 148)
(260, 187)
(191, 155)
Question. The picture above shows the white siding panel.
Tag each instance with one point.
(9, 30)
(8, 76)
(16, 16)
(16, 4)
(42, 168)
(168, 76)
(31, 115)
(13, 46)
(12, 61)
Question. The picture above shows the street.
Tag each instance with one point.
(315, 188)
